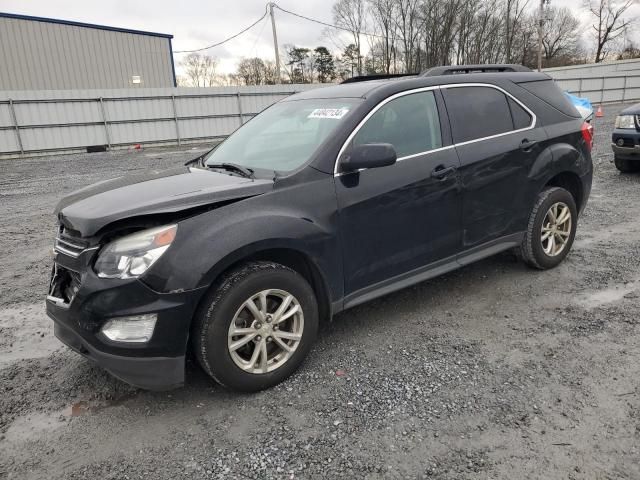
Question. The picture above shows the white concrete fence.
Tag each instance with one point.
(63, 121)
(614, 82)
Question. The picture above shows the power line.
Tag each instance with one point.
(255, 43)
(266, 12)
(325, 23)
(226, 39)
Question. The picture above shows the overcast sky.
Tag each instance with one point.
(197, 23)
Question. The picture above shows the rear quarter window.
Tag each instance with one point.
(521, 118)
(549, 92)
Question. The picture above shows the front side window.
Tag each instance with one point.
(285, 136)
(410, 123)
(479, 112)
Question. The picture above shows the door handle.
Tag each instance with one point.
(441, 172)
(527, 145)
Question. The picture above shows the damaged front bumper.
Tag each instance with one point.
(80, 303)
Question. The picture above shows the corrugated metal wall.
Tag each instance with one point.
(40, 55)
(64, 121)
(601, 82)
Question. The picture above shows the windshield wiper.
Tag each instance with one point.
(232, 167)
(196, 161)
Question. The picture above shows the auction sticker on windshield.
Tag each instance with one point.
(336, 113)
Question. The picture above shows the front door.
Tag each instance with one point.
(396, 219)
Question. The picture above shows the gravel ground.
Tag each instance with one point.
(492, 371)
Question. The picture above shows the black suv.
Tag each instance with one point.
(325, 200)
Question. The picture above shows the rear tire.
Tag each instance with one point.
(626, 166)
(244, 309)
(551, 229)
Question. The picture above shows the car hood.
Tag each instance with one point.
(632, 110)
(169, 191)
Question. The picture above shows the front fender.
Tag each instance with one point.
(209, 243)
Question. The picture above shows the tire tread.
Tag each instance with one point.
(526, 248)
(206, 313)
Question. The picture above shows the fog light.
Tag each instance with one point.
(134, 329)
(620, 142)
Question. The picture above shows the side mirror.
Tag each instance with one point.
(369, 155)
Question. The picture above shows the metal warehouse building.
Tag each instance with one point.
(46, 54)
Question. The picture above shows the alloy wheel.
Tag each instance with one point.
(556, 229)
(265, 331)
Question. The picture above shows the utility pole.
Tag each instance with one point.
(275, 41)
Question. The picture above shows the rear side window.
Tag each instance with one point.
(477, 112)
(549, 92)
(410, 123)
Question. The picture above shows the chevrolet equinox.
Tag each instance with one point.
(325, 200)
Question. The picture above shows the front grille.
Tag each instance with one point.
(68, 244)
(64, 284)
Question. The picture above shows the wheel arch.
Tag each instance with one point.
(571, 182)
(285, 254)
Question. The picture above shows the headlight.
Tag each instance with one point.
(132, 255)
(625, 121)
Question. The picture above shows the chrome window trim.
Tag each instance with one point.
(534, 120)
(532, 125)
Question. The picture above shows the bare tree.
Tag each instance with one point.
(524, 47)
(409, 24)
(199, 70)
(609, 23)
(561, 36)
(515, 13)
(350, 15)
(440, 28)
(255, 71)
(479, 37)
(382, 21)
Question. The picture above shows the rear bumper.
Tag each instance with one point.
(149, 373)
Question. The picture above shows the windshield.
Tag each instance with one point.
(284, 136)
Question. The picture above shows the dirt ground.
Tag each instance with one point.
(492, 371)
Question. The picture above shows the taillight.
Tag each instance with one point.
(587, 134)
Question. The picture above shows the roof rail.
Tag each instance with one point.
(461, 69)
(378, 76)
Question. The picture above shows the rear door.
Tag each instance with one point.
(399, 218)
(497, 141)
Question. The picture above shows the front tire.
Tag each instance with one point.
(626, 166)
(551, 229)
(256, 327)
